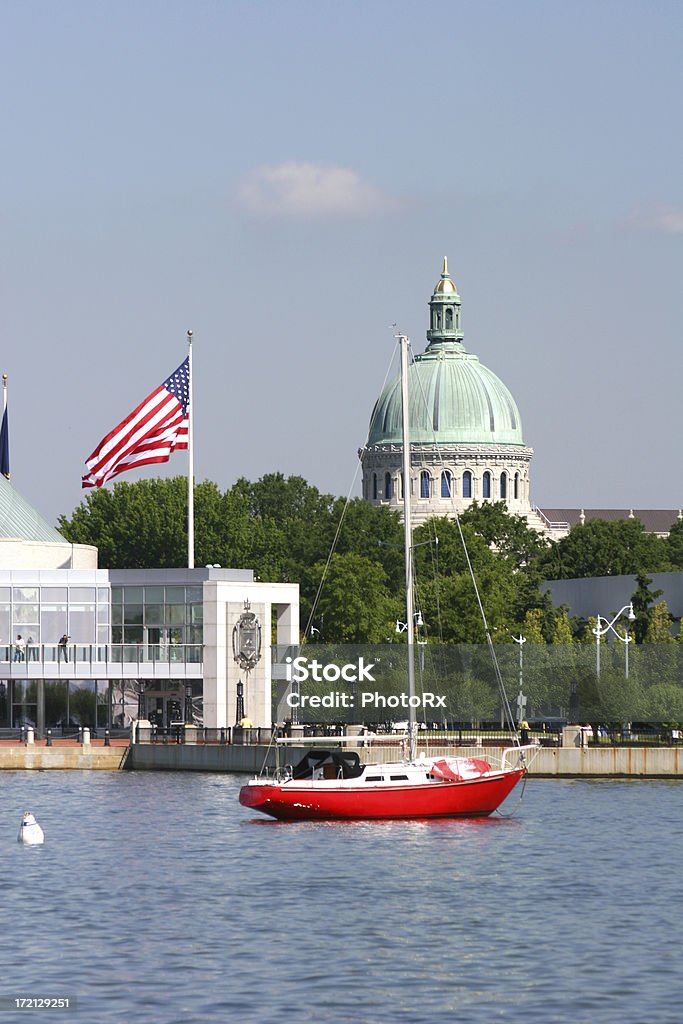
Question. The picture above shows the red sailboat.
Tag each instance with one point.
(333, 784)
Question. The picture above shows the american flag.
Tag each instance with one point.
(158, 427)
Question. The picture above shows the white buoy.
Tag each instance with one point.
(30, 832)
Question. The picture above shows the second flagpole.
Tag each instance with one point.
(190, 465)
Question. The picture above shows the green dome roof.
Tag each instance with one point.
(454, 399)
(19, 521)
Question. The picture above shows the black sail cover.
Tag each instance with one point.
(346, 761)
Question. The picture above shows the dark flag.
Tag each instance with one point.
(4, 446)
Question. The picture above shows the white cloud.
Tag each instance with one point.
(306, 189)
(666, 219)
(671, 221)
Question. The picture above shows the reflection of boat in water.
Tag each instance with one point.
(333, 784)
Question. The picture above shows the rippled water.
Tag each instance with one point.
(158, 898)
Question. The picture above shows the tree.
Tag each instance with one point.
(602, 548)
(659, 626)
(135, 526)
(532, 627)
(509, 535)
(445, 587)
(674, 544)
(355, 606)
(562, 631)
(642, 600)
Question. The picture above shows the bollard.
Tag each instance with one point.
(107, 739)
(49, 738)
(86, 736)
(30, 736)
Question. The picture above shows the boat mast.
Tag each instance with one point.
(407, 544)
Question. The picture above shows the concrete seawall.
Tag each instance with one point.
(558, 762)
(606, 762)
(248, 760)
(20, 757)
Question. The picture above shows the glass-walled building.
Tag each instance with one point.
(47, 609)
(83, 646)
(100, 648)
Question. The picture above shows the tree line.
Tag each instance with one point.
(286, 530)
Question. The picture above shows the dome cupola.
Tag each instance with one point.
(444, 311)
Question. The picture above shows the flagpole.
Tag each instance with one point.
(4, 432)
(190, 465)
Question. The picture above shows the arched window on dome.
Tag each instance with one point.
(374, 487)
(449, 319)
(425, 481)
(388, 490)
(503, 485)
(516, 487)
(467, 484)
(486, 485)
(446, 484)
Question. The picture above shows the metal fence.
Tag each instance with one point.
(192, 734)
(19, 734)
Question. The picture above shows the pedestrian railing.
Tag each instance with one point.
(102, 654)
(195, 734)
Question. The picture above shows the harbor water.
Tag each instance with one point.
(156, 898)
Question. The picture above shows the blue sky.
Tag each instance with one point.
(285, 179)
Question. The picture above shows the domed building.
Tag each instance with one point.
(465, 429)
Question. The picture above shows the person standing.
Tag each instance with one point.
(524, 732)
(63, 650)
(19, 648)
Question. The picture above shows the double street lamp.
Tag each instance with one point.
(600, 631)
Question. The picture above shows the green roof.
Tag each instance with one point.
(19, 521)
(453, 398)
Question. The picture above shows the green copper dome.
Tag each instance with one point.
(19, 521)
(454, 399)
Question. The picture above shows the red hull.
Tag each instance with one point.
(471, 798)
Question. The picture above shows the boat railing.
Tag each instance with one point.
(518, 756)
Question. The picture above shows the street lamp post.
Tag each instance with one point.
(600, 631)
(521, 700)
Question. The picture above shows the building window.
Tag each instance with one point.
(446, 484)
(449, 319)
(387, 486)
(486, 485)
(503, 485)
(374, 487)
(467, 484)
(516, 485)
(424, 483)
